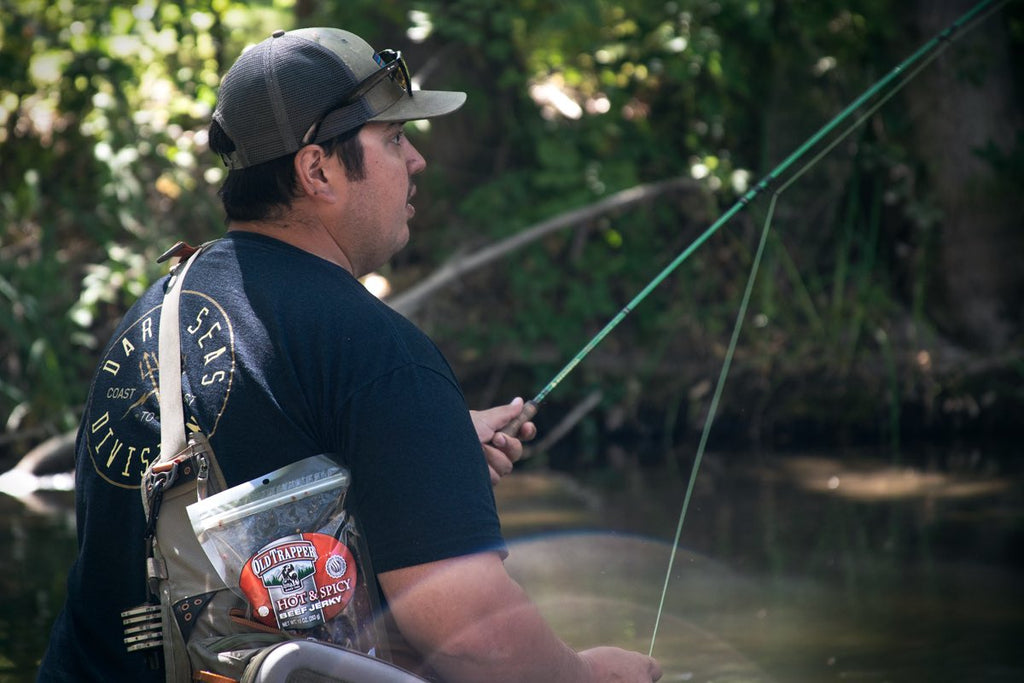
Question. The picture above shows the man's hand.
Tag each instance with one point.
(501, 450)
(616, 664)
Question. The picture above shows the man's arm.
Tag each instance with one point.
(471, 622)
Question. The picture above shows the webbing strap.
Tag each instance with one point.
(172, 412)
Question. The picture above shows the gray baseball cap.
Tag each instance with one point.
(311, 84)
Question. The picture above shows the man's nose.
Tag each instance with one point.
(414, 160)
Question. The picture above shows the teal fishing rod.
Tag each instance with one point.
(883, 89)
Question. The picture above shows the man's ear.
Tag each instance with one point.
(312, 174)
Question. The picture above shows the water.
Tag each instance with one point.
(825, 567)
(37, 545)
(801, 568)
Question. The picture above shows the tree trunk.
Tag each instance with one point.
(962, 103)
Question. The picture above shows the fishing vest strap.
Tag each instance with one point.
(179, 579)
(172, 410)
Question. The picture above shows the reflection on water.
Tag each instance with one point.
(789, 569)
(601, 588)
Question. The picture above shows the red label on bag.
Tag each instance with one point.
(300, 581)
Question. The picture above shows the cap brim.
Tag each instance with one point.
(424, 104)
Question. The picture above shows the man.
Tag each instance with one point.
(285, 355)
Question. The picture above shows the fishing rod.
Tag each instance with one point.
(900, 75)
(889, 85)
(925, 55)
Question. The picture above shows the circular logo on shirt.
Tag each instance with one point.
(122, 429)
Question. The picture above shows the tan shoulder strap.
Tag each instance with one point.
(172, 412)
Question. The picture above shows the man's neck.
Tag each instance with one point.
(299, 234)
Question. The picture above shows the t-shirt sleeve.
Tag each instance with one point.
(420, 486)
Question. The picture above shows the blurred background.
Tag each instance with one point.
(881, 362)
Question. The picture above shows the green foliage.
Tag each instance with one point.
(662, 89)
(102, 134)
(102, 119)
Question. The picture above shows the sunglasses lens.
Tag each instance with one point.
(401, 76)
(385, 57)
(397, 68)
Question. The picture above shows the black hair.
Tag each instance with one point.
(265, 190)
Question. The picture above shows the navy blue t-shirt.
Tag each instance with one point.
(284, 356)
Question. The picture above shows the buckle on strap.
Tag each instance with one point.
(161, 477)
(190, 463)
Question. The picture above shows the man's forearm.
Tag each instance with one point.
(512, 643)
(471, 622)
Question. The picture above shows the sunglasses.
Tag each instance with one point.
(392, 67)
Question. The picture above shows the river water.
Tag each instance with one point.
(804, 567)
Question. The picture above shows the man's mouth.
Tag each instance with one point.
(410, 209)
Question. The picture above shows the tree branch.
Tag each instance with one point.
(409, 301)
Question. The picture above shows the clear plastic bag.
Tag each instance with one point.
(286, 543)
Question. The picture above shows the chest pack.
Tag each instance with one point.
(250, 608)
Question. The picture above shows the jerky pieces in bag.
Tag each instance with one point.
(286, 543)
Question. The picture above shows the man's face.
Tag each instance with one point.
(379, 206)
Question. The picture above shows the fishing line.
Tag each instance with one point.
(881, 92)
(713, 409)
(933, 49)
